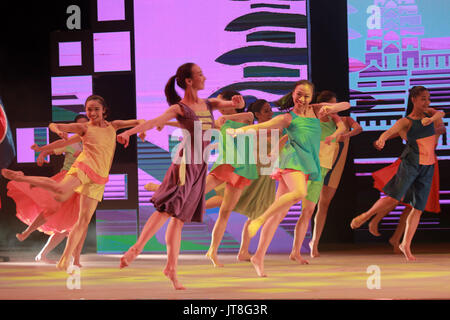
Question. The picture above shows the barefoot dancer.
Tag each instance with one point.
(90, 171)
(412, 182)
(381, 178)
(299, 158)
(37, 208)
(332, 178)
(331, 128)
(181, 194)
(260, 194)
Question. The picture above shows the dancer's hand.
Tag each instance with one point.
(160, 127)
(379, 144)
(328, 140)
(342, 137)
(142, 136)
(238, 102)
(41, 159)
(221, 121)
(324, 111)
(426, 121)
(123, 138)
(36, 148)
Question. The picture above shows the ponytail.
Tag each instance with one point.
(172, 96)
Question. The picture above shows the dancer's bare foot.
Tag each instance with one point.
(214, 259)
(244, 256)
(151, 186)
(373, 228)
(172, 275)
(314, 251)
(44, 259)
(395, 244)
(128, 257)
(21, 236)
(254, 226)
(63, 264)
(258, 264)
(407, 252)
(77, 262)
(12, 175)
(359, 220)
(297, 257)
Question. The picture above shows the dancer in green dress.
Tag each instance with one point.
(299, 161)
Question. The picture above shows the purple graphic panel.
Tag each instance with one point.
(70, 54)
(112, 51)
(110, 10)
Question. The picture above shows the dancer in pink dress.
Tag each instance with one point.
(37, 208)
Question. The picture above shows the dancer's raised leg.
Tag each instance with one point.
(38, 221)
(153, 224)
(300, 231)
(382, 204)
(173, 242)
(230, 199)
(411, 226)
(326, 195)
(296, 184)
(291, 189)
(87, 209)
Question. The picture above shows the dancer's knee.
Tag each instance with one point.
(298, 195)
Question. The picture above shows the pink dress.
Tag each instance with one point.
(31, 201)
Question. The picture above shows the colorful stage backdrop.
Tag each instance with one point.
(393, 46)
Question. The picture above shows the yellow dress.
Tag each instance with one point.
(94, 162)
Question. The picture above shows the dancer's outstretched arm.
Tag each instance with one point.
(279, 122)
(56, 144)
(121, 124)
(325, 108)
(401, 124)
(244, 117)
(169, 114)
(237, 102)
(61, 129)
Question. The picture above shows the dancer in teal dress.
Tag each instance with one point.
(299, 161)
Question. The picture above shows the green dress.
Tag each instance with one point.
(244, 163)
(302, 151)
(258, 196)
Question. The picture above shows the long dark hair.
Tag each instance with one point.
(183, 72)
(256, 106)
(101, 101)
(413, 92)
(286, 103)
(80, 116)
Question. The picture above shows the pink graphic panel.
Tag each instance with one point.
(112, 51)
(70, 54)
(110, 10)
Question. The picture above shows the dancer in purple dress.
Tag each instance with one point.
(181, 194)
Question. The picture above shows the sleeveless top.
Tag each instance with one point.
(96, 158)
(327, 151)
(302, 151)
(420, 144)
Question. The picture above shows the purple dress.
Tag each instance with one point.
(182, 191)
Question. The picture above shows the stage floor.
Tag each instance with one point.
(340, 273)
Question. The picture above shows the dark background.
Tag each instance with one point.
(25, 72)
